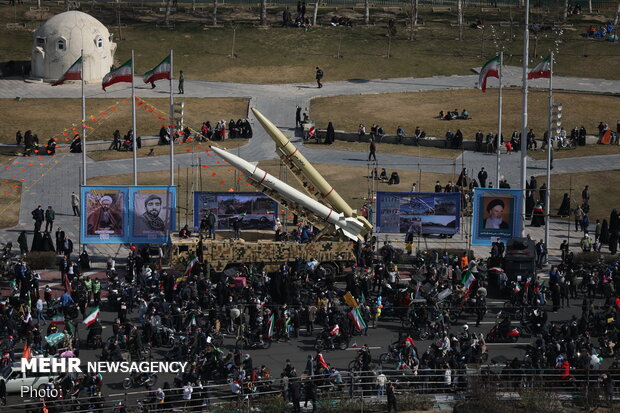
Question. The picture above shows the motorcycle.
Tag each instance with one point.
(511, 334)
(392, 356)
(140, 379)
(253, 342)
(337, 342)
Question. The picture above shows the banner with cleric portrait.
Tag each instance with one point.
(496, 215)
(152, 213)
(104, 214)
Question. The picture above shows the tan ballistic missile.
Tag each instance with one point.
(327, 192)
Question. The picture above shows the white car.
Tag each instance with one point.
(15, 378)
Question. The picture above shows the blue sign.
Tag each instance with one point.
(496, 215)
(127, 214)
(255, 210)
(419, 213)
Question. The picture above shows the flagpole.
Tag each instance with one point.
(549, 149)
(83, 121)
(499, 121)
(133, 122)
(171, 119)
(526, 46)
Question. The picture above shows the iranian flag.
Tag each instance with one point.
(468, 279)
(190, 266)
(192, 322)
(73, 73)
(161, 71)
(496, 269)
(542, 70)
(357, 319)
(92, 316)
(271, 325)
(120, 74)
(58, 319)
(490, 69)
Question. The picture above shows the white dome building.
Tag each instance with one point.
(58, 44)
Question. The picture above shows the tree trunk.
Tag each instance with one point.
(565, 10)
(590, 6)
(459, 9)
(617, 14)
(193, 5)
(167, 16)
(416, 4)
(316, 12)
(263, 12)
(366, 12)
(215, 12)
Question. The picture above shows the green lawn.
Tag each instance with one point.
(276, 54)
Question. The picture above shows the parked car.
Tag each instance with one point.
(14, 378)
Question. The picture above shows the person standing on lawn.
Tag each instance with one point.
(319, 76)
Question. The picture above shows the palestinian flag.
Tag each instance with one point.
(357, 319)
(490, 69)
(271, 325)
(92, 316)
(120, 74)
(161, 71)
(542, 70)
(58, 319)
(190, 266)
(73, 73)
(468, 279)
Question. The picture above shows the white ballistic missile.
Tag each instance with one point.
(351, 227)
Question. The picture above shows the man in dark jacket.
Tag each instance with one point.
(39, 216)
(482, 177)
(50, 216)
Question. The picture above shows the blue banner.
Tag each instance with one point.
(255, 210)
(420, 213)
(496, 215)
(127, 214)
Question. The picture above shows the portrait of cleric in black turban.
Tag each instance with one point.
(497, 209)
(151, 213)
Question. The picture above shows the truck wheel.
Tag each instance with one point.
(330, 268)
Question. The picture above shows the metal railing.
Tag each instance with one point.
(363, 386)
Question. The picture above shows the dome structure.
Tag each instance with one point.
(58, 43)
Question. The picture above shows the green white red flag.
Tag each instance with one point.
(92, 316)
(357, 319)
(190, 266)
(73, 73)
(271, 326)
(120, 74)
(542, 70)
(161, 71)
(490, 69)
(468, 279)
(58, 319)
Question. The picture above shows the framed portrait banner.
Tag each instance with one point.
(255, 210)
(496, 215)
(103, 216)
(420, 213)
(153, 213)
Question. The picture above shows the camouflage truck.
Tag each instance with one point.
(334, 256)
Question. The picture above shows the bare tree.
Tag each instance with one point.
(617, 14)
(215, 12)
(366, 12)
(193, 5)
(316, 11)
(412, 14)
(263, 12)
(565, 12)
(590, 6)
(167, 15)
(459, 9)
